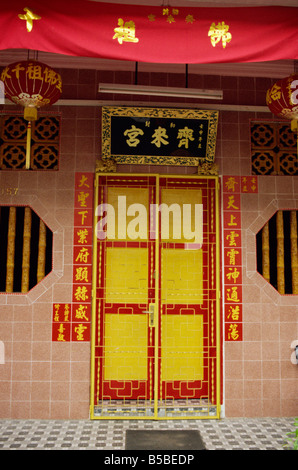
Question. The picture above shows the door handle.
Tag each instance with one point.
(151, 316)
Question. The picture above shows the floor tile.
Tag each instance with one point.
(227, 434)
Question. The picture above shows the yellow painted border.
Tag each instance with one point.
(218, 302)
(93, 303)
(157, 300)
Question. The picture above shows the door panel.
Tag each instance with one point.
(126, 275)
(125, 349)
(182, 348)
(155, 337)
(124, 286)
(182, 276)
(182, 230)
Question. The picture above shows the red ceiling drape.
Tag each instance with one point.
(149, 33)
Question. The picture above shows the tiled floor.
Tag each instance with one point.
(225, 434)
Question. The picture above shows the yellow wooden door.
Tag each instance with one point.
(155, 342)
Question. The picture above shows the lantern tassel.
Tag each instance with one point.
(28, 147)
(294, 128)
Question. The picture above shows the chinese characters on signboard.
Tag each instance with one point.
(159, 136)
(233, 187)
(71, 322)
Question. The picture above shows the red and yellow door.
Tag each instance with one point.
(156, 308)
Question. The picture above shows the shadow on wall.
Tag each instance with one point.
(2, 353)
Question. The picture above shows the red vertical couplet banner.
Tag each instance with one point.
(232, 258)
(82, 261)
(233, 188)
(71, 321)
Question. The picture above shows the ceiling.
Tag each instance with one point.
(262, 69)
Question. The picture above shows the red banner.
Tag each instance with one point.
(149, 33)
(71, 321)
(233, 188)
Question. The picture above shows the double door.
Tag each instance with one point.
(156, 308)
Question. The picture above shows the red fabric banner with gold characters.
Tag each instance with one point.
(151, 33)
(233, 188)
(71, 321)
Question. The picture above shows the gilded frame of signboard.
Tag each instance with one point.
(158, 136)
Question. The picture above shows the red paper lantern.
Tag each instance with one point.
(282, 98)
(31, 84)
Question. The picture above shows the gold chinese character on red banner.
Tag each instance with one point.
(56, 312)
(29, 17)
(82, 236)
(81, 313)
(232, 222)
(82, 256)
(82, 197)
(60, 336)
(233, 274)
(231, 238)
(231, 184)
(83, 215)
(81, 294)
(83, 182)
(233, 313)
(79, 330)
(231, 256)
(61, 312)
(249, 184)
(61, 332)
(82, 274)
(189, 19)
(219, 32)
(231, 203)
(126, 32)
(232, 295)
(233, 332)
(169, 14)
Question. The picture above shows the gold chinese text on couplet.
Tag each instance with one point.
(29, 17)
